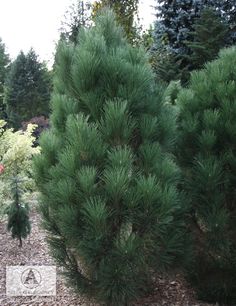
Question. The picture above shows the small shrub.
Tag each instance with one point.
(16, 151)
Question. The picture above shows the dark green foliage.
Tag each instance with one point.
(27, 91)
(18, 214)
(167, 66)
(175, 19)
(208, 159)
(4, 64)
(175, 31)
(110, 201)
(209, 34)
(215, 281)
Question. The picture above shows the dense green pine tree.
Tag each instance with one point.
(209, 37)
(27, 90)
(4, 64)
(110, 201)
(207, 154)
(18, 214)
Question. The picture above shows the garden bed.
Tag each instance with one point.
(169, 291)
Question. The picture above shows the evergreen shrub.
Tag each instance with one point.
(207, 154)
(110, 201)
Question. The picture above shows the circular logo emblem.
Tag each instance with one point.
(31, 278)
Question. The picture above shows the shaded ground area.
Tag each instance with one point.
(169, 291)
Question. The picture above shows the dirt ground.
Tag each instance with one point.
(169, 291)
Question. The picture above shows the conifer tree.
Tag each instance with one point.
(208, 159)
(110, 201)
(175, 20)
(174, 29)
(27, 90)
(209, 37)
(18, 214)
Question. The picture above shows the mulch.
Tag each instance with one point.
(171, 290)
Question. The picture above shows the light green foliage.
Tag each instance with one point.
(108, 180)
(16, 151)
(172, 91)
(126, 15)
(208, 159)
(146, 38)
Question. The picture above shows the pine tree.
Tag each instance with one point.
(27, 90)
(208, 159)
(209, 37)
(18, 214)
(110, 201)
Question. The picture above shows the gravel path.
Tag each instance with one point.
(170, 291)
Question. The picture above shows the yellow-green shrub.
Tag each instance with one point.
(16, 151)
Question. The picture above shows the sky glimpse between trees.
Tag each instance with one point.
(36, 24)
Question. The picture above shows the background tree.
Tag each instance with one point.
(175, 25)
(174, 22)
(176, 19)
(207, 156)
(76, 17)
(27, 90)
(109, 186)
(146, 38)
(4, 64)
(209, 37)
(166, 66)
(126, 14)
